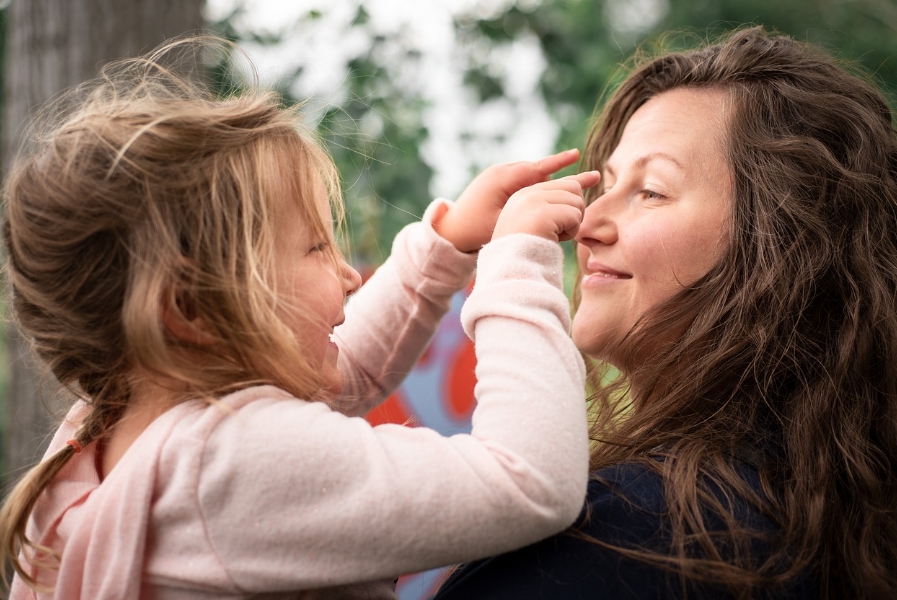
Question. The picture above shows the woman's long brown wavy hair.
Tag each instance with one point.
(788, 360)
(141, 190)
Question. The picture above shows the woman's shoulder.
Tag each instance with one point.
(636, 485)
(625, 509)
(624, 505)
(635, 492)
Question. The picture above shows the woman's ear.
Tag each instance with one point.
(180, 317)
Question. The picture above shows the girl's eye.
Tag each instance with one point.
(319, 247)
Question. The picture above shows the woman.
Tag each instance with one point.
(739, 269)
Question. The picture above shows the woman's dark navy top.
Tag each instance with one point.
(625, 507)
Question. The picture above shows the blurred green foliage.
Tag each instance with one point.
(585, 50)
(374, 137)
(375, 140)
(376, 134)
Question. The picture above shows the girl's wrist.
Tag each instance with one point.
(449, 229)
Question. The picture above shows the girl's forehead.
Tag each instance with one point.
(299, 190)
(319, 195)
(303, 212)
(293, 184)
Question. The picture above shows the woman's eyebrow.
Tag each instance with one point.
(642, 161)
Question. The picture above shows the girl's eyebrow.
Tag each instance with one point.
(642, 161)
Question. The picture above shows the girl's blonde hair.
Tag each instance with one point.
(141, 190)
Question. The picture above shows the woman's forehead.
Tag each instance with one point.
(680, 129)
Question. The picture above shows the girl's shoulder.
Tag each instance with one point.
(207, 428)
(206, 414)
(249, 432)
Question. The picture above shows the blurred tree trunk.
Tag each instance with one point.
(52, 45)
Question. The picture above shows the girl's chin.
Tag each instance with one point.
(332, 382)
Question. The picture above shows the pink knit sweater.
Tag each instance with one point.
(269, 496)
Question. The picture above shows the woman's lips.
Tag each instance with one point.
(596, 274)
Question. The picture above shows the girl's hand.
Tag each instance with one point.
(552, 210)
(469, 223)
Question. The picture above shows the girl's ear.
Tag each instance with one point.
(180, 318)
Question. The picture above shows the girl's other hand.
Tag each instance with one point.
(552, 210)
(469, 223)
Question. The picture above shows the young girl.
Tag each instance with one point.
(172, 258)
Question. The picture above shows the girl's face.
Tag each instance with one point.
(313, 281)
(662, 221)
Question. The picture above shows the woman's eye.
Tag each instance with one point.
(652, 195)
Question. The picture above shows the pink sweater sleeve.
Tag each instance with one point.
(286, 494)
(392, 318)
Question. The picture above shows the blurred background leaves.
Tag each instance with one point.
(385, 118)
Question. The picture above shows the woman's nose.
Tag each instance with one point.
(599, 223)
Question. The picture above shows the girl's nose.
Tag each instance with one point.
(351, 278)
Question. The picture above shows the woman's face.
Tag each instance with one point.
(663, 219)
